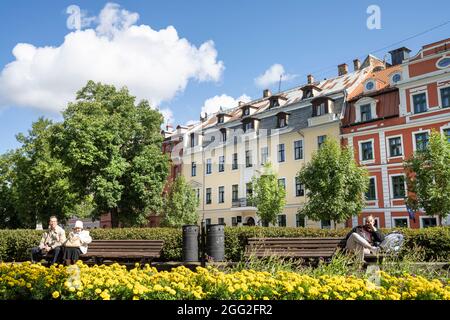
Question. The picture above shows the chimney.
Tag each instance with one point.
(169, 127)
(342, 69)
(398, 55)
(310, 79)
(266, 93)
(356, 64)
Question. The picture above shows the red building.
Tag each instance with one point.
(389, 118)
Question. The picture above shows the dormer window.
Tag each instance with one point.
(369, 85)
(320, 109)
(396, 77)
(365, 109)
(274, 103)
(282, 120)
(248, 125)
(444, 62)
(220, 119)
(246, 111)
(308, 93)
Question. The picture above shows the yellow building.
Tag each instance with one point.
(220, 154)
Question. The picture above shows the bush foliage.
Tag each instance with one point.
(15, 244)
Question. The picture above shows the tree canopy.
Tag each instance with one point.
(334, 183)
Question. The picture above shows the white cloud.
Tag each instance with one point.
(154, 65)
(168, 115)
(272, 76)
(213, 104)
(77, 18)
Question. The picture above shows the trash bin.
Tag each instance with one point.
(190, 243)
(215, 241)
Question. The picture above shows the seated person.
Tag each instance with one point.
(364, 238)
(51, 242)
(76, 244)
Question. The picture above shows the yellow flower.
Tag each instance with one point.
(55, 295)
(98, 291)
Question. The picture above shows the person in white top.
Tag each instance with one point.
(76, 244)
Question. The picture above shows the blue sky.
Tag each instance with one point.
(249, 37)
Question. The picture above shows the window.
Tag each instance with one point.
(224, 134)
(208, 166)
(193, 169)
(398, 187)
(208, 195)
(198, 194)
(444, 62)
(281, 157)
(221, 194)
(320, 140)
(298, 149)
(246, 111)
(234, 221)
(447, 134)
(421, 141)
(396, 78)
(325, 224)
(366, 151)
(299, 220)
(299, 189)
(235, 161)
(234, 194)
(219, 119)
(370, 85)
(282, 183)
(249, 192)
(371, 192)
(308, 93)
(420, 102)
(248, 126)
(400, 222)
(445, 97)
(221, 220)
(192, 140)
(274, 103)
(264, 155)
(208, 221)
(428, 222)
(248, 158)
(366, 112)
(281, 120)
(395, 147)
(282, 220)
(320, 109)
(221, 163)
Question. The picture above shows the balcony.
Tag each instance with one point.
(327, 117)
(242, 204)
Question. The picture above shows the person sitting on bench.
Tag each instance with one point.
(76, 244)
(365, 238)
(51, 242)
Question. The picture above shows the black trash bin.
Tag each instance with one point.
(190, 243)
(215, 241)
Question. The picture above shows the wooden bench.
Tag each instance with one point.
(123, 250)
(297, 248)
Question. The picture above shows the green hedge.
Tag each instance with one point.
(15, 244)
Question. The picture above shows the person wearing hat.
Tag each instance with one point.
(77, 243)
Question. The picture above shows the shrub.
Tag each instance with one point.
(434, 242)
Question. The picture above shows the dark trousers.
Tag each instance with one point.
(37, 255)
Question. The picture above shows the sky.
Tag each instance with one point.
(186, 57)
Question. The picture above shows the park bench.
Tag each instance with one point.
(123, 251)
(310, 248)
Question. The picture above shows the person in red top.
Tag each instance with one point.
(364, 238)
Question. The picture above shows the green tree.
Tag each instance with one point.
(41, 182)
(113, 148)
(268, 195)
(428, 177)
(9, 215)
(181, 204)
(334, 184)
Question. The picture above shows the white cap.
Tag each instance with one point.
(79, 224)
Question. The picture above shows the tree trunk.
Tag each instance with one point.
(114, 218)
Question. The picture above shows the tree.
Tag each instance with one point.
(113, 148)
(9, 215)
(180, 205)
(428, 177)
(334, 184)
(268, 195)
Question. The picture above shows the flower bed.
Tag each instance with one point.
(34, 281)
